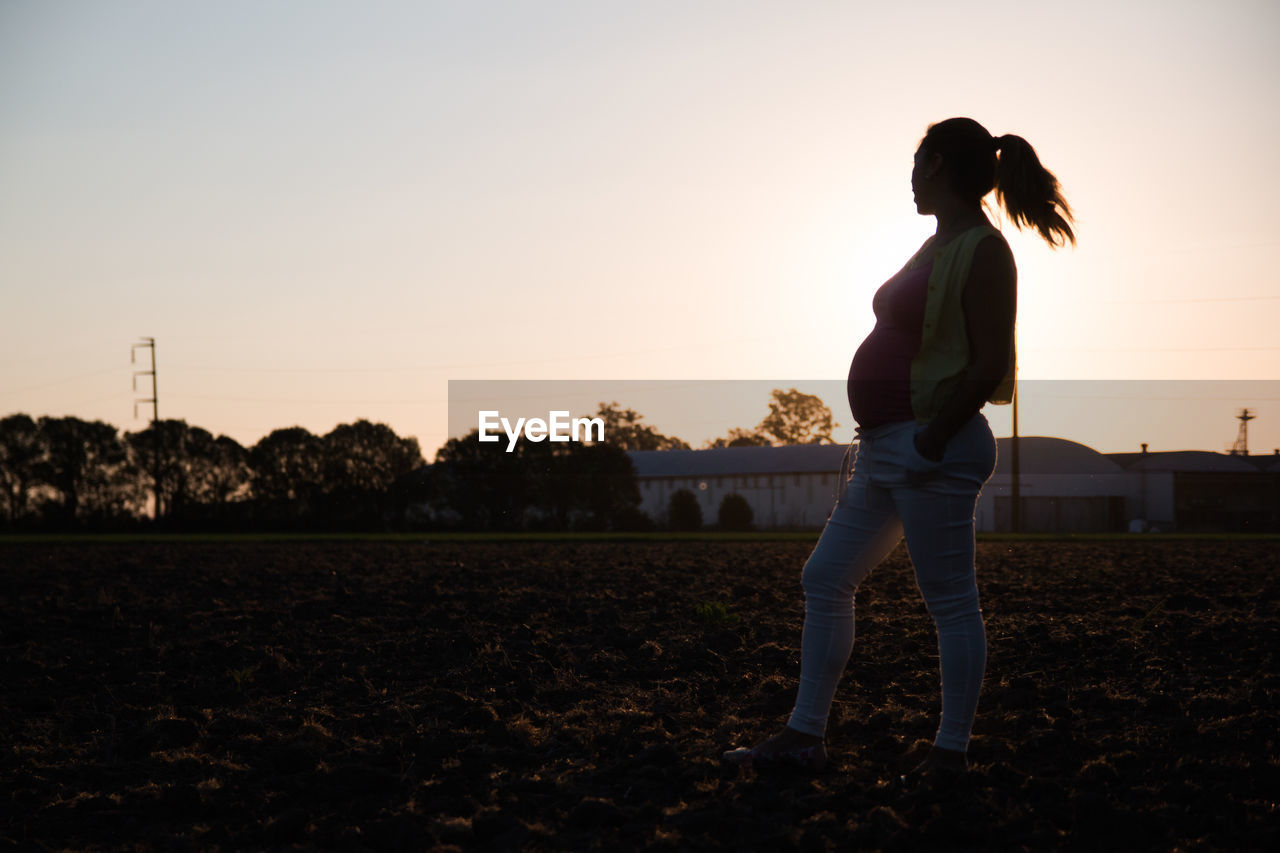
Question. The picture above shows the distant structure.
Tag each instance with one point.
(793, 486)
(1241, 447)
(1065, 487)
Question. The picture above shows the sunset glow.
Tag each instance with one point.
(325, 212)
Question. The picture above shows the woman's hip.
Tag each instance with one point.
(887, 457)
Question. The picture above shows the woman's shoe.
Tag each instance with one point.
(941, 770)
(813, 758)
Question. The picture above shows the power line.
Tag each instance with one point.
(61, 381)
(1150, 349)
(116, 396)
(207, 369)
(1193, 299)
(400, 402)
(1126, 397)
(519, 363)
(670, 385)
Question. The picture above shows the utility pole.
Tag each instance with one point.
(150, 343)
(1016, 519)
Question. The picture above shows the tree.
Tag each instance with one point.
(20, 462)
(622, 428)
(362, 461)
(741, 438)
(487, 487)
(797, 418)
(367, 457)
(683, 512)
(198, 474)
(89, 468)
(559, 486)
(735, 513)
(288, 472)
(414, 499)
(606, 493)
(552, 475)
(232, 477)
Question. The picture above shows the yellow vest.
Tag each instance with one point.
(944, 345)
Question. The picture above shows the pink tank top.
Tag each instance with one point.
(880, 376)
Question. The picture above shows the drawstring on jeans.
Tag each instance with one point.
(846, 468)
(845, 471)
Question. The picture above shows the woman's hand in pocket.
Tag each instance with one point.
(927, 448)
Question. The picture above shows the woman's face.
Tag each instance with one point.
(923, 180)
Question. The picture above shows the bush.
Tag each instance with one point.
(735, 513)
(684, 512)
(632, 519)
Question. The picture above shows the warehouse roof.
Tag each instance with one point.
(1037, 454)
(735, 461)
(1040, 454)
(1183, 460)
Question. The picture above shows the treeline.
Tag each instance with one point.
(794, 417)
(477, 485)
(71, 474)
(65, 473)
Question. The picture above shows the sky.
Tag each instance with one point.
(326, 211)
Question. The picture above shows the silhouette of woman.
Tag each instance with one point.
(941, 348)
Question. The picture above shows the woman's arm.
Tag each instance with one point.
(990, 302)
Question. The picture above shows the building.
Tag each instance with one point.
(1064, 486)
(1195, 490)
(787, 487)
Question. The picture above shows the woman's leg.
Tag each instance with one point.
(862, 530)
(939, 531)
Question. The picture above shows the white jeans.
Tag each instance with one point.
(894, 490)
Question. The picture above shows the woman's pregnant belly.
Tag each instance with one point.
(880, 378)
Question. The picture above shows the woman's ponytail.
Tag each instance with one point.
(1026, 189)
(1030, 192)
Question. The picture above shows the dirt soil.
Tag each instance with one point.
(575, 696)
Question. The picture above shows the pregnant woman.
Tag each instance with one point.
(941, 348)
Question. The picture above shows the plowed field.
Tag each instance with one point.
(549, 696)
